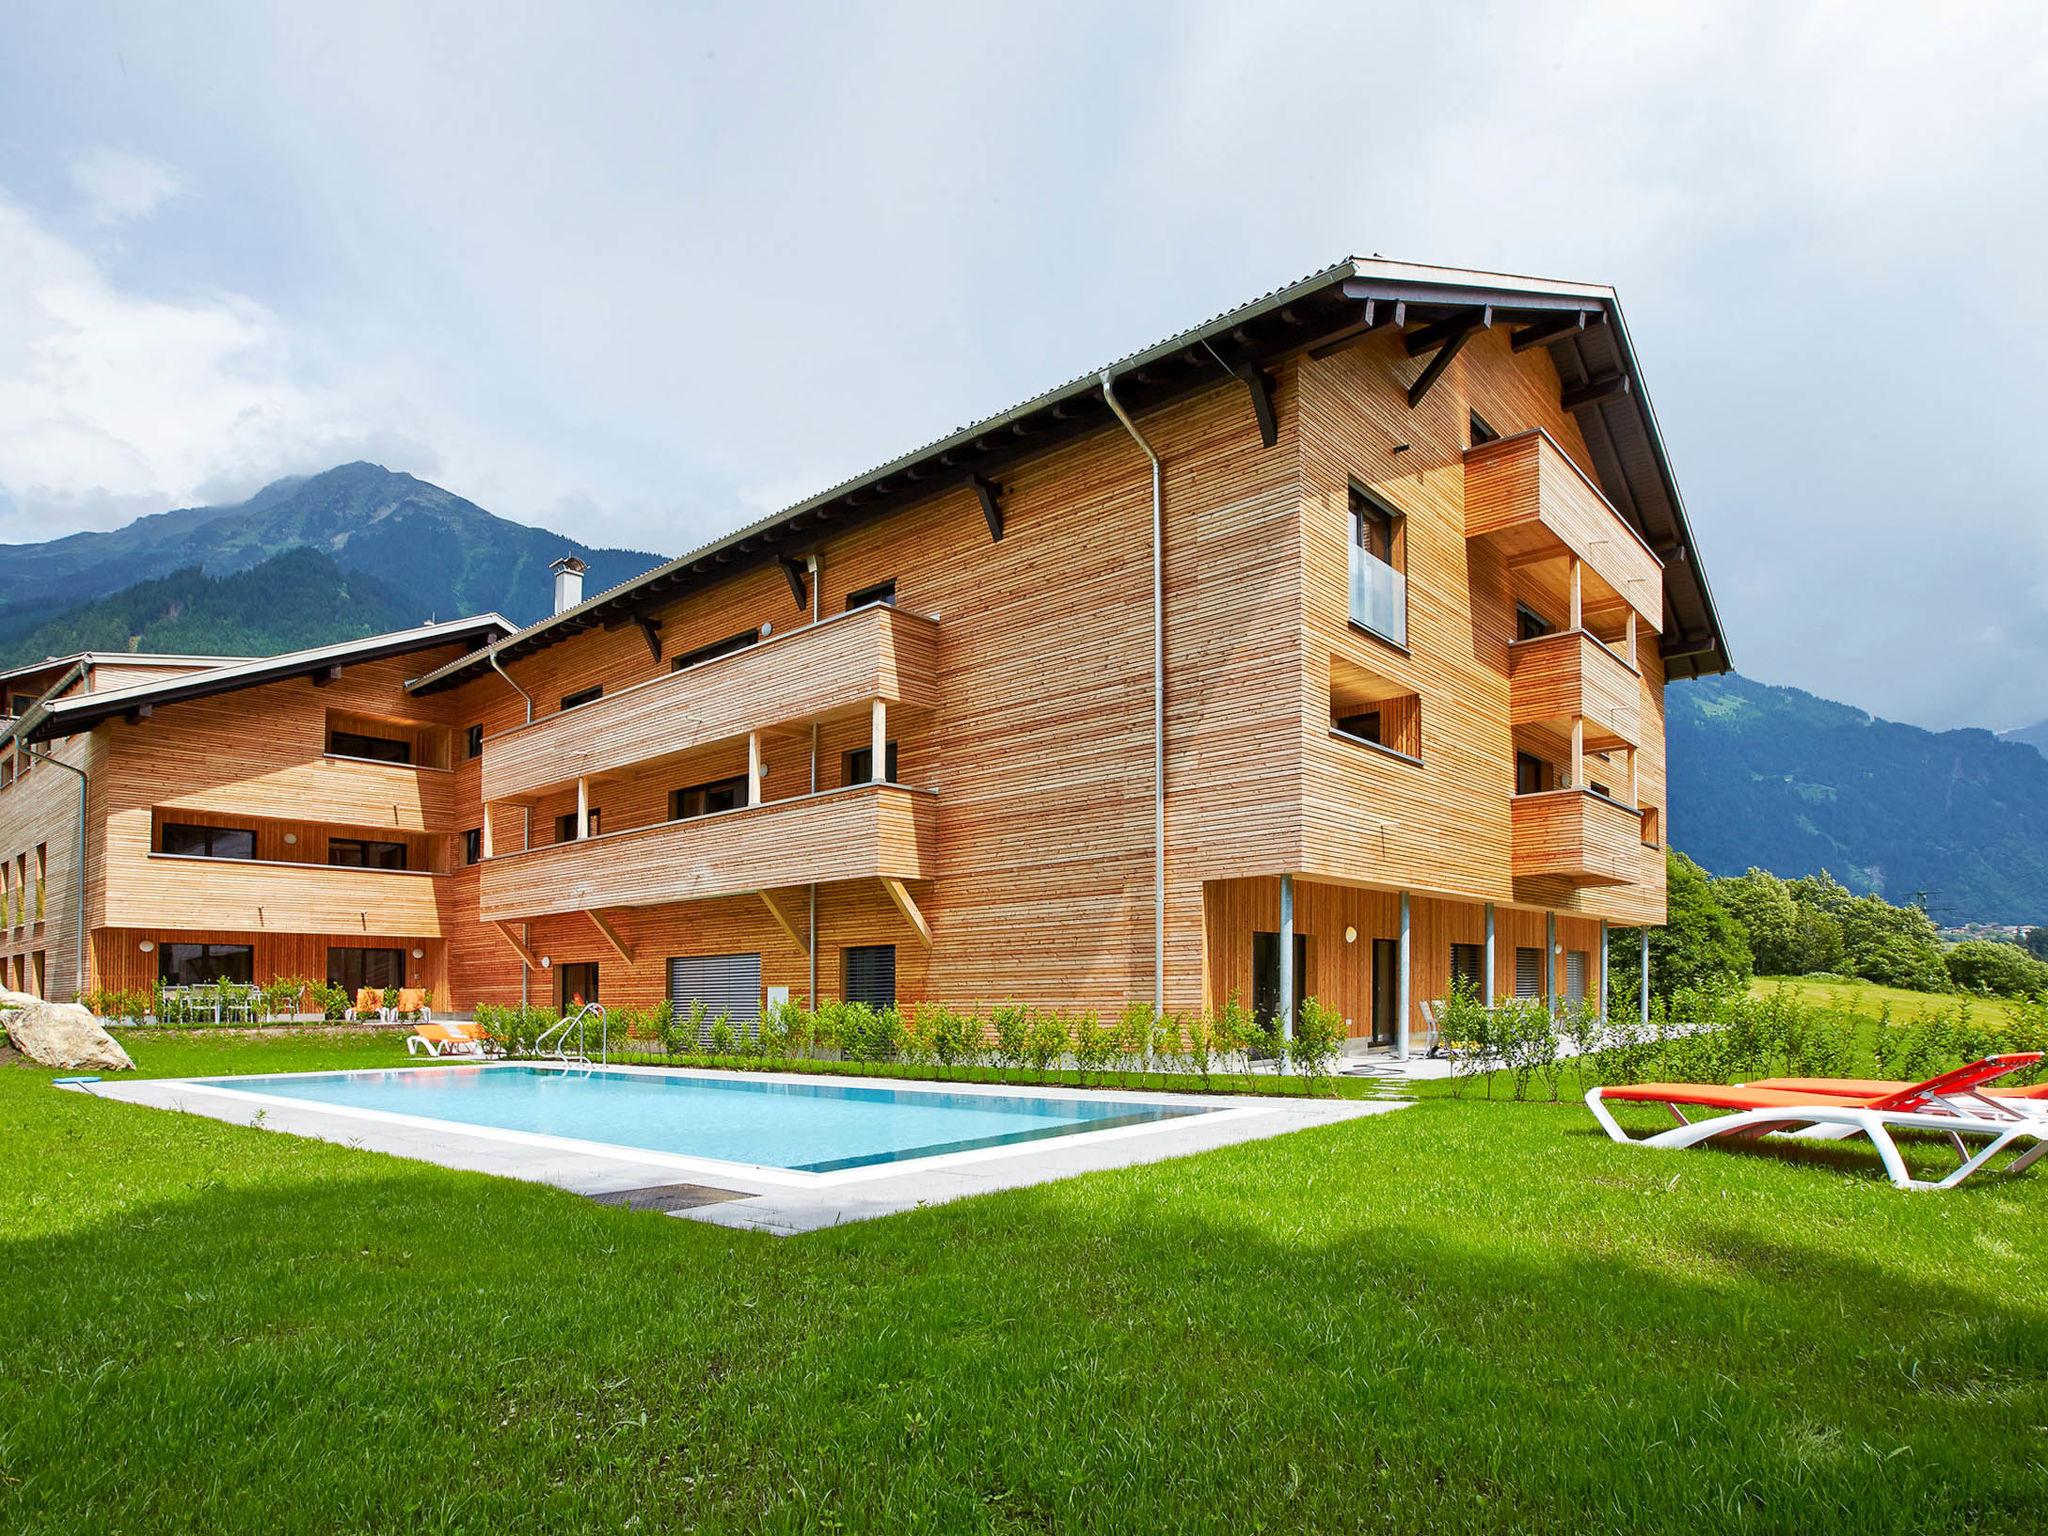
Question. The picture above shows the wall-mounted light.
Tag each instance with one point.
(419, 954)
(547, 962)
(291, 839)
(146, 947)
(767, 630)
(1350, 935)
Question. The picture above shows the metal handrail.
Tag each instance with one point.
(578, 1021)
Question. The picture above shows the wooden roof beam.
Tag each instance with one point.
(1605, 386)
(1453, 327)
(990, 495)
(1543, 332)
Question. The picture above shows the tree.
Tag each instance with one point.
(2001, 970)
(1892, 960)
(1818, 941)
(1762, 906)
(1699, 947)
(2035, 942)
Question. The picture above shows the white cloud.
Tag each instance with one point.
(119, 187)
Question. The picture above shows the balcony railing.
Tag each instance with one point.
(1379, 596)
(816, 671)
(1553, 678)
(865, 831)
(1577, 835)
(174, 890)
(1526, 495)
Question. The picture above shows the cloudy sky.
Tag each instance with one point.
(643, 272)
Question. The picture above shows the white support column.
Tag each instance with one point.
(1403, 986)
(1602, 993)
(582, 807)
(1578, 751)
(1287, 977)
(1646, 977)
(1632, 661)
(1487, 987)
(753, 767)
(487, 829)
(1635, 778)
(1578, 593)
(878, 739)
(1550, 961)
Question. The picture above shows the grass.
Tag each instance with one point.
(1867, 997)
(1463, 1316)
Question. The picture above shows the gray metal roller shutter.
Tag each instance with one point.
(871, 975)
(729, 984)
(1528, 973)
(1575, 976)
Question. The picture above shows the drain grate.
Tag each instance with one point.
(669, 1197)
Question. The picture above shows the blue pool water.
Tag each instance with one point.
(806, 1127)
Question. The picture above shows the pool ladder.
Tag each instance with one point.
(579, 1022)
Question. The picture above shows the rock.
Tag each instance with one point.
(61, 1035)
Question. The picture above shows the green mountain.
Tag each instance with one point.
(2035, 735)
(291, 601)
(437, 554)
(1779, 779)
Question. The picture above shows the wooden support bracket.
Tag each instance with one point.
(526, 956)
(990, 495)
(784, 921)
(908, 907)
(793, 573)
(610, 935)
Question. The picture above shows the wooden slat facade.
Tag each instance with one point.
(1554, 677)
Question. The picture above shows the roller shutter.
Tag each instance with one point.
(729, 984)
(871, 975)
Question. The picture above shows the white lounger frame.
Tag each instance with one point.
(1822, 1120)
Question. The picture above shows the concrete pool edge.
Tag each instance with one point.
(774, 1200)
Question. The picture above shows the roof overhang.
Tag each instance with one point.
(67, 717)
(1437, 308)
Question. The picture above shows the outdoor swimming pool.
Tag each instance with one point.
(803, 1127)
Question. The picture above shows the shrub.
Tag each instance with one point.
(955, 1037)
(1237, 1034)
(1094, 1042)
(1319, 1036)
(725, 1041)
(1200, 1034)
(1995, 969)
(1046, 1041)
(1166, 1047)
(1011, 1026)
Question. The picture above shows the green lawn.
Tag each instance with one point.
(1463, 1316)
(1868, 997)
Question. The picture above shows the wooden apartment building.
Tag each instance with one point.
(1319, 650)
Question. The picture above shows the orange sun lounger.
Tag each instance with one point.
(448, 1040)
(1949, 1103)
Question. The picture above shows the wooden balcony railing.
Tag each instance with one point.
(865, 831)
(1555, 677)
(169, 890)
(1577, 835)
(1526, 494)
(836, 666)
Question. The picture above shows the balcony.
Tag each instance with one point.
(1525, 496)
(1379, 596)
(1554, 678)
(868, 831)
(817, 672)
(169, 890)
(1577, 835)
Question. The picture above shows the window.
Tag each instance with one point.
(716, 649)
(583, 696)
(473, 846)
(870, 974)
(1575, 968)
(880, 592)
(1528, 972)
(1481, 432)
(354, 969)
(1366, 726)
(1379, 554)
(365, 853)
(1653, 828)
(191, 965)
(565, 825)
(473, 741)
(381, 749)
(209, 842)
(1468, 964)
(860, 765)
(1529, 623)
(703, 799)
(576, 984)
(1532, 774)
(21, 704)
(1266, 975)
(1370, 708)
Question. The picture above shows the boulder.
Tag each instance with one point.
(61, 1035)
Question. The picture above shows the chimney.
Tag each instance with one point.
(568, 581)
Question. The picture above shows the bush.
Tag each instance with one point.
(1995, 970)
(1201, 1044)
(1046, 1041)
(1011, 1026)
(1319, 1036)
(1094, 1042)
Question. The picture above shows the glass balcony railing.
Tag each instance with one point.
(1379, 596)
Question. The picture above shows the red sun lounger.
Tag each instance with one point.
(1949, 1104)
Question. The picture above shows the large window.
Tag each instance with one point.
(365, 853)
(703, 799)
(1532, 774)
(859, 766)
(354, 969)
(1266, 975)
(191, 965)
(565, 825)
(716, 649)
(1379, 558)
(382, 749)
(870, 974)
(1468, 964)
(209, 842)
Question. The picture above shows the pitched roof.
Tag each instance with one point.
(81, 712)
(119, 658)
(1580, 324)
